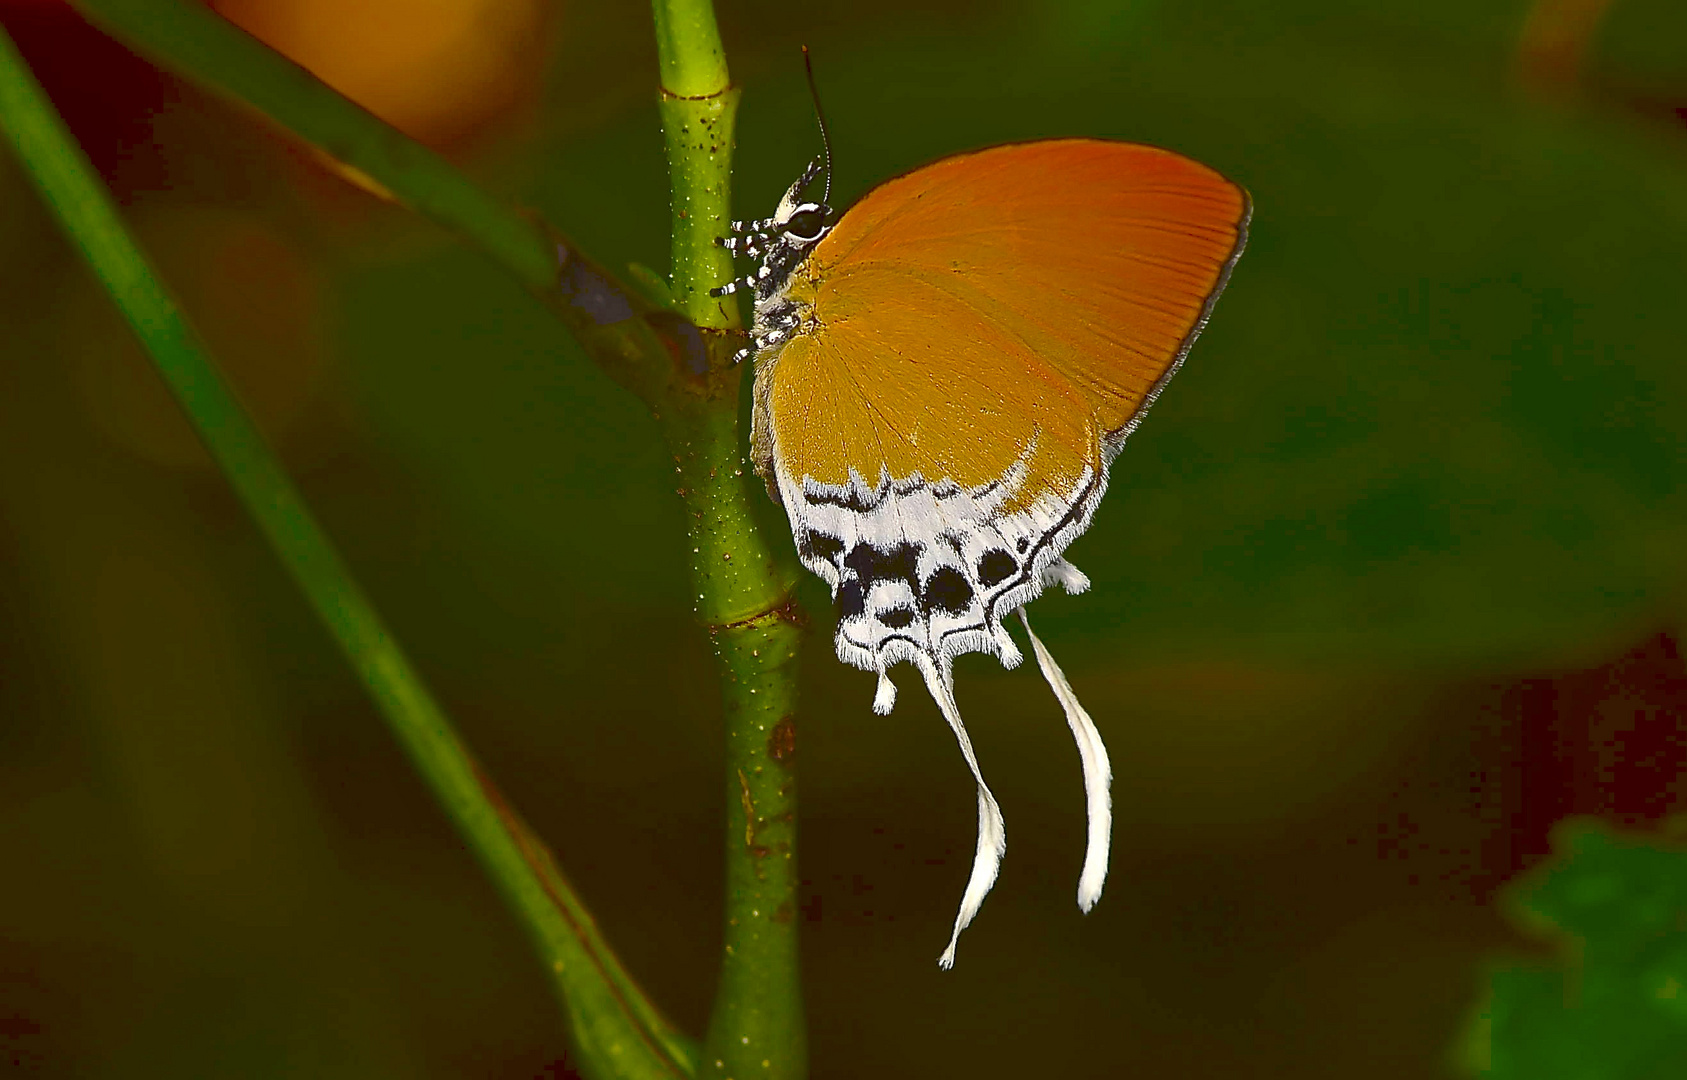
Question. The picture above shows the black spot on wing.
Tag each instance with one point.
(871, 565)
(848, 500)
(995, 567)
(852, 599)
(818, 545)
(948, 589)
(897, 618)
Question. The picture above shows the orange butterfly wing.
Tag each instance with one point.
(1036, 289)
(922, 385)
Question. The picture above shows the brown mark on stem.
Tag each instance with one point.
(782, 741)
(749, 810)
(785, 611)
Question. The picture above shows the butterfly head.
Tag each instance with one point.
(797, 225)
(799, 221)
(782, 241)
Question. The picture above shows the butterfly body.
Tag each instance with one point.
(944, 375)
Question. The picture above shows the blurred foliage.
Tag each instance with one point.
(1616, 1006)
(1426, 458)
(1637, 48)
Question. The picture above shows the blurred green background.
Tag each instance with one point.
(1386, 585)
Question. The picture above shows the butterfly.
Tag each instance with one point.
(943, 375)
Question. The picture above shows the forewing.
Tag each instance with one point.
(1101, 258)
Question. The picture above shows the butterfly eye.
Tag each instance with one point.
(805, 225)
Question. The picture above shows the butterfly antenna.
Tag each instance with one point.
(819, 118)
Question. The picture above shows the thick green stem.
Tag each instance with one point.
(617, 1033)
(757, 1026)
(699, 133)
(688, 48)
(743, 598)
(742, 585)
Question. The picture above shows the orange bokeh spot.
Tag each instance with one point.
(435, 69)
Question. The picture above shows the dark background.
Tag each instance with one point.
(1385, 586)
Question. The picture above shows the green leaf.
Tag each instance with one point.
(1615, 1007)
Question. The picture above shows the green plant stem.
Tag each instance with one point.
(743, 599)
(210, 50)
(616, 1032)
(743, 586)
(688, 49)
(698, 133)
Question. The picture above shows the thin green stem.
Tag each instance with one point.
(742, 584)
(616, 1032)
(189, 38)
